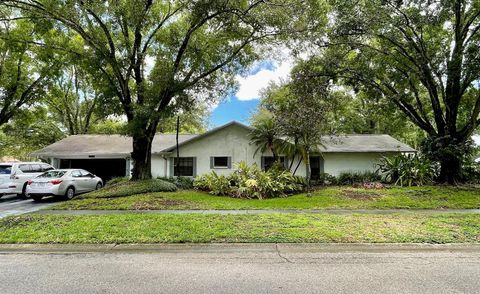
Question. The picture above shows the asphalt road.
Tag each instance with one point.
(244, 269)
(12, 205)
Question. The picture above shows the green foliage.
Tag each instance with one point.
(407, 170)
(419, 56)
(184, 183)
(350, 178)
(118, 180)
(195, 49)
(25, 69)
(213, 183)
(27, 132)
(325, 179)
(127, 188)
(251, 182)
(265, 134)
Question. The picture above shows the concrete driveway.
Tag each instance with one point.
(243, 268)
(11, 205)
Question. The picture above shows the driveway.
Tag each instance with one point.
(244, 268)
(11, 205)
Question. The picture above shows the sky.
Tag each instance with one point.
(243, 103)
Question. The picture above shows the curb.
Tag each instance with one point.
(225, 248)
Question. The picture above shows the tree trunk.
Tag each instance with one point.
(309, 171)
(450, 168)
(142, 157)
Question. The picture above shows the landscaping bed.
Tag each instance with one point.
(301, 228)
(427, 197)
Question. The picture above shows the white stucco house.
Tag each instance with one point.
(216, 150)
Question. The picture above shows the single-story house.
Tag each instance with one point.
(215, 150)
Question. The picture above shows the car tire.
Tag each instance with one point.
(99, 186)
(37, 198)
(70, 193)
(24, 194)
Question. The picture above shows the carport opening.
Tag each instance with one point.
(106, 169)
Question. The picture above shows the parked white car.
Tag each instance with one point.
(14, 176)
(65, 183)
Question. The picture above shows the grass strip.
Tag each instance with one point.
(430, 197)
(146, 228)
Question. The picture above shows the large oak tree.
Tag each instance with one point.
(156, 55)
(422, 55)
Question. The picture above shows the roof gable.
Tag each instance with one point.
(208, 133)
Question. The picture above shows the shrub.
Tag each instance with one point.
(117, 180)
(470, 172)
(325, 179)
(128, 188)
(213, 183)
(251, 182)
(407, 170)
(350, 178)
(184, 183)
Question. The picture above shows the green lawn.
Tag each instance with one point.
(431, 197)
(148, 228)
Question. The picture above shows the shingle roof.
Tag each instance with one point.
(111, 145)
(116, 145)
(363, 143)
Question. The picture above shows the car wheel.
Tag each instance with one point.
(37, 198)
(70, 193)
(99, 186)
(24, 194)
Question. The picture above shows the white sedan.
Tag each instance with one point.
(65, 183)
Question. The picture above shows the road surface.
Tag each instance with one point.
(259, 268)
(11, 205)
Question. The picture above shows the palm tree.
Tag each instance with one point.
(265, 136)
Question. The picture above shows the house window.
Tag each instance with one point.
(220, 162)
(268, 161)
(183, 167)
(316, 167)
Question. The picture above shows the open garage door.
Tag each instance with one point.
(104, 168)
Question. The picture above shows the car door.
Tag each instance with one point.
(23, 175)
(90, 183)
(78, 181)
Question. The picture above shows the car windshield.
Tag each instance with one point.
(5, 169)
(52, 174)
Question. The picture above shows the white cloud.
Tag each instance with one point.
(250, 86)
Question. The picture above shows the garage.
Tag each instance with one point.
(104, 168)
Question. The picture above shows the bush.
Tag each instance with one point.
(470, 172)
(213, 183)
(350, 178)
(117, 180)
(184, 183)
(251, 182)
(407, 170)
(325, 179)
(123, 189)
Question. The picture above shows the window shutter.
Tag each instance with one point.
(229, 162)
(194, 166)
(285, 162)
(172, 168)
(211, 162)
(262, 163)
(322, 165)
